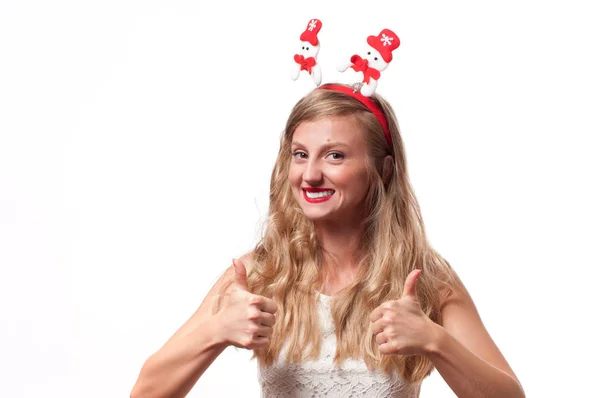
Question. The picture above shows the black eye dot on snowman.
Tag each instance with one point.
(375, 58)
(369, 53)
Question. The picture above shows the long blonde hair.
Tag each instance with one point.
(286, 263)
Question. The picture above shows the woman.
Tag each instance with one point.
(343, 295)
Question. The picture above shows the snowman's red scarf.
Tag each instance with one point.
(362, 65)
(366, 101)
(305, 63)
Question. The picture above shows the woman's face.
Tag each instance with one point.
(328, 170)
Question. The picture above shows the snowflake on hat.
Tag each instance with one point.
(306, 59)
(377, 58)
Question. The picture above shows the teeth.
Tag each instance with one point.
(314, 195)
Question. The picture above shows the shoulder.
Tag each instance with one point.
(455, 294)
(457, 306)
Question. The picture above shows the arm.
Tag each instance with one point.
(228, 315)
(176, 367)
(466, 356)
(461, 349)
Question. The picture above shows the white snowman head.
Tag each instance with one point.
(375, 58)
(308, 50)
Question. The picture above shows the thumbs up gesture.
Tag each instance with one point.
(245, 320)
(400, 326)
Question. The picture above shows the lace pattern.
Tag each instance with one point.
(320, 378)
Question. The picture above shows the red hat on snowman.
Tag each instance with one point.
(310, 34)
(385, 43)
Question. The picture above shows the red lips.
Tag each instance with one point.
(316, 200)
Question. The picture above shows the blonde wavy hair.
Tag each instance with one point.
(286, 263)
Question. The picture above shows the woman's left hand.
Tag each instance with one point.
(400, 326)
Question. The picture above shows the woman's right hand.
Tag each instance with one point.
(244, 319)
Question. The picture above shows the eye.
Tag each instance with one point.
(303, 47)
(369, 53)
(302, 154)
(336, 155)
(375, 58)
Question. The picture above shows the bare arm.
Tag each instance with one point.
(466, 356)
(239, 318)
(176, 367)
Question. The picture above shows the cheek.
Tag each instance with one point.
(358, 183)
(294, 175)
(351, 177)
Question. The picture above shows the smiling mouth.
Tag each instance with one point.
(317, 195)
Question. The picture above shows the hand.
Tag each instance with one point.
(245, 319)
(400, 326)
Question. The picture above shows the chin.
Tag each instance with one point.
(315, 217)
(316, 214)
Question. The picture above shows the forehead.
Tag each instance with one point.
(341, 129)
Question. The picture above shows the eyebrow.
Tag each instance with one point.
(325, 147)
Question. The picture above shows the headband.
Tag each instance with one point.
(366, 101)
(374, 60)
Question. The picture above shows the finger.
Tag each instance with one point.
(240, 274)
(259, 342)
(267, 305)
(376, 314)
(410, 285)
(267, 319)
(381, 338)
(378, 326)
(264, 331)
(387, 348)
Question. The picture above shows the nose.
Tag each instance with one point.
(313, 175)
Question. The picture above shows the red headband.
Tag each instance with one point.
(366, 101)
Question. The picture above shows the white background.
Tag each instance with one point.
(137, 140)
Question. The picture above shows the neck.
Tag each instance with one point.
(340, 242)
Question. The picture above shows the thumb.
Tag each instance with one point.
(240, 274)
(410, 285)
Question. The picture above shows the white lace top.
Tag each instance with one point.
(321, 378)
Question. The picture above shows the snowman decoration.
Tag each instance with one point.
(306, 59)
(377, 58)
